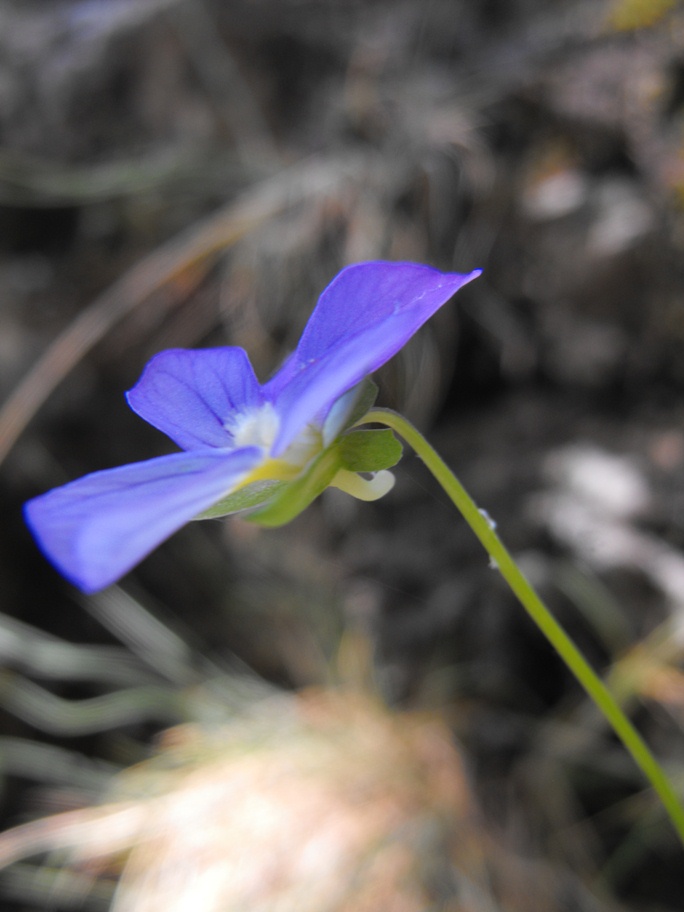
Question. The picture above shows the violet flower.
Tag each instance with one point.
(271, 448)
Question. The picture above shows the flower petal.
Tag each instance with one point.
(361, 320)
(97, 528)
(190, 395)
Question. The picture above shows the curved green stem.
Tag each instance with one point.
(540, 614)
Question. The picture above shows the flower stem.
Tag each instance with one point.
(540, 614)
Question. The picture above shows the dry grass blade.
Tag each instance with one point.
(104, 830)
(190, 252)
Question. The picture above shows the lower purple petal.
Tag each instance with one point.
(96, 529)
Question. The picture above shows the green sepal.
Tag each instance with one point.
(369, 451)
(366, 394)
(296, 495)
(349, 409)
(252, 495)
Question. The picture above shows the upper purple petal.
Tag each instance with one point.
(97, 528)
(190, 395)
(366, 314)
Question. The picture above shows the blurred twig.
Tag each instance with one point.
(58, 716)
(29, 180)
(192, 252)
(35, 652)
(48, 763)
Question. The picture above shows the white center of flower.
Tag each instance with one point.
(260, 428)
(256, 428)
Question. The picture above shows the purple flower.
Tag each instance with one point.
(242, 442)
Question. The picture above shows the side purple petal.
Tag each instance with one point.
(97, 528)
(362, 319)
(190, 395)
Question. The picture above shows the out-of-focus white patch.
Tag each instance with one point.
(255, 428)
(560, 194)
(608, 483)
(623, 218)
(591, 507)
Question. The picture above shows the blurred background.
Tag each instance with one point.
(194, 172)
